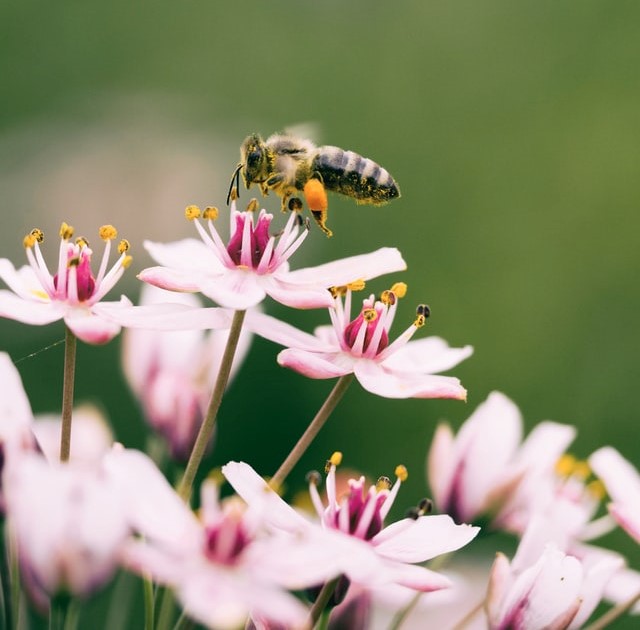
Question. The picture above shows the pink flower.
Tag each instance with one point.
(254, 264)
(68, 522)
(622, 482)
(400, 369)
(223, 566)
(172, 372)
(351, 534)
(543, 587)
(73, 293)
(486, 470)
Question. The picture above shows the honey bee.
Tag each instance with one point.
(288, 165)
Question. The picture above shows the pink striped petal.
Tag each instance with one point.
(315, 365)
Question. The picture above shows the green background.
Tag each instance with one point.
(511, 127)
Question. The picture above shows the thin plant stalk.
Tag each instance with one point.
(206, 429)
(149, 602)
(67, 393)
(401, 617)
(312, 430)
(321, 601)
(613, 614)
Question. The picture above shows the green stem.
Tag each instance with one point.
(149, 602)
(321, 601)
(612, 614)
(73, 615)
(67, 393)
(206, 429)
(165, 614)
(312, 430)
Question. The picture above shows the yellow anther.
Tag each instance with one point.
(29, 241)
(215, 475)
(565, 465)
(338, 291)
(383, 483)
(123, 246)
(334, 460)
(400, 289)
(253, 205)
(597, 489)
(401, 472)
(233, 195)
(388, 297)
(81, 241)
(66, 231)
(356, 285)
(126, 261)
(192, 212)
(38, 234)
(107, 232)
(582, 469)
(419, 321)
(369, 315)
(211, 213)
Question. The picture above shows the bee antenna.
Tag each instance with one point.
(235, 182)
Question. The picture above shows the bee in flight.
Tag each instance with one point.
(287, 165)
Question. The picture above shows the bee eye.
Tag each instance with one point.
(253, 158)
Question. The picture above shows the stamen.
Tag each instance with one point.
(356, 285)
(253, 205)
(422, 312)
(582, 469)
(335, 291)
(425, 506)
(313, 477)
(369, 315)
(126, 261)
(383, 483)
(565, 465)
(66, 231)
(81, 242)
(107, 232)
(123, 246)
(29, 241)
(596, 489)
(211, 213)
(334, 460)
(388, 297)
(399, 289)
(192, 212)
(401, 472)
(295, 204)
(412, 513)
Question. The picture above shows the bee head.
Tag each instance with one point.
(255, 159)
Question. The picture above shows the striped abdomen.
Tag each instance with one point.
(351, 174)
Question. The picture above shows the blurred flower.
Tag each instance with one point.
(72, 293)
(224, 566)
(254, 264)
(543, 587)
(400, 369)
(92, 436)
(351, 534)
(68, 522)
(486, 470)
(622, 482)
(172, 373)
(16, 418)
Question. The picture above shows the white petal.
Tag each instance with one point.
(346, 270)
(284, 334)
(315, 364)
(419, 540)
(89, 327)
(29, 311)
(375, 379)
(186, 254)
(618, 475)
(427, 356)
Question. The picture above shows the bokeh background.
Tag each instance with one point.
(512, 129)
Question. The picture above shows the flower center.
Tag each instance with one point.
(78, 256)
(226, 540)
(250, 246)
(369, 318)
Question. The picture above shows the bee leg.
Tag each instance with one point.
(321, 217)
(316, 196)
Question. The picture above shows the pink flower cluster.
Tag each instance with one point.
(247, 557)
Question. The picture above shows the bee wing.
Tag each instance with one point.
(310, 130)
